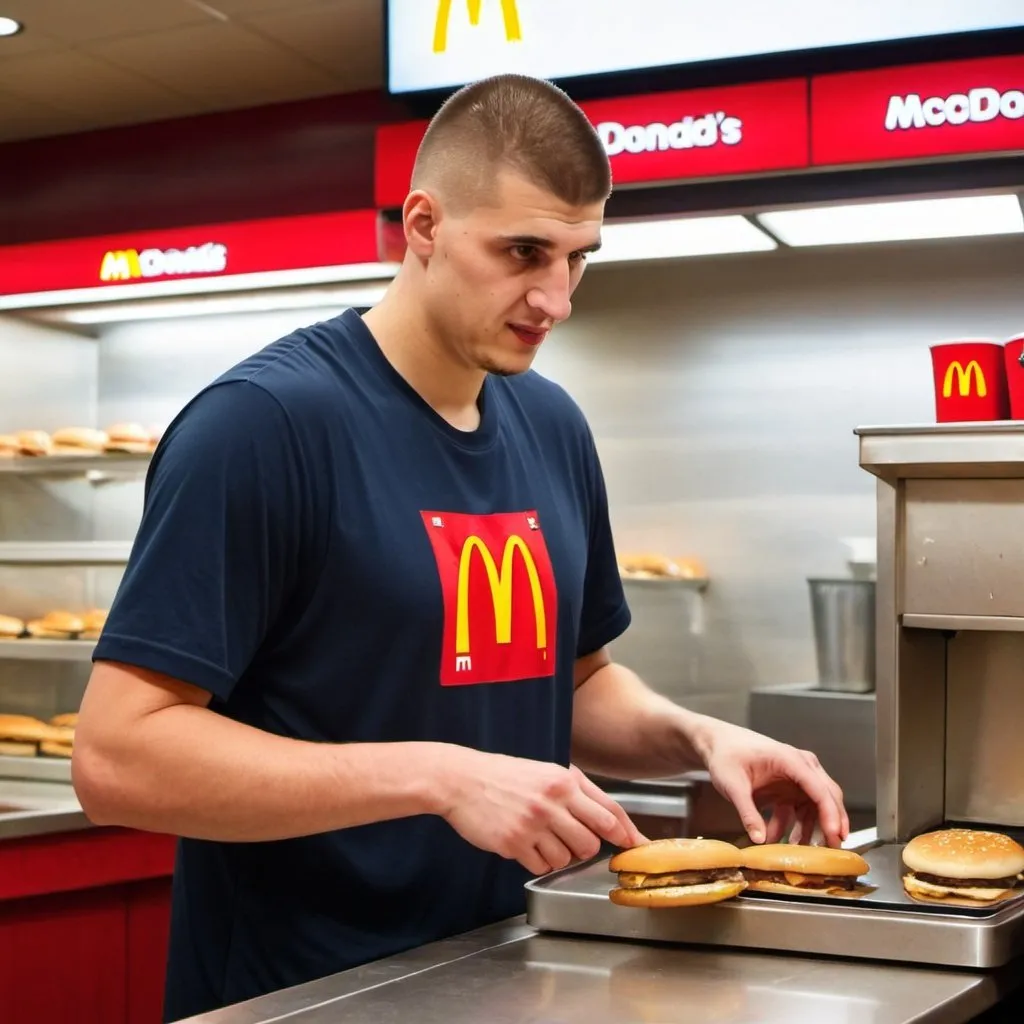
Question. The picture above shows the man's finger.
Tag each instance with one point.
(554, 852)
(837, 794)
(631, 835)
(734, 785)
(812, 782)
(534, 862)
(780, 822)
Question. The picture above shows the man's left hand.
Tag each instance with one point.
(756, 773)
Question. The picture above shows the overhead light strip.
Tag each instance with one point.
(676, 237)
(339, 298)
(897, 221)
(202, 285)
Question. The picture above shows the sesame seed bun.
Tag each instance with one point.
(664, 856)
(964, 853)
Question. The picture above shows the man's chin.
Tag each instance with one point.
(507, 367)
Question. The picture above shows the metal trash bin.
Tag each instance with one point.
(843, 616)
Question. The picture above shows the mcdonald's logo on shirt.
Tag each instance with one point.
(500, 598)
(509, 15)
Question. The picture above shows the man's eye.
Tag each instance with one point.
(524, 252)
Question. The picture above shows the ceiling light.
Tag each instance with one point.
(269, 301)
(677, 237)
(9, 27)
(201, 285)
(958, 217)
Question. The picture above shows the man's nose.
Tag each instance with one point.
(552, 294)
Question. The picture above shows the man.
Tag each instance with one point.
(359, 656)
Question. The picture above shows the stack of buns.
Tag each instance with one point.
(55, 625)
(119, 437)
(27, 736)
(651, 565)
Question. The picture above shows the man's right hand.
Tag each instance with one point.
(542, 815)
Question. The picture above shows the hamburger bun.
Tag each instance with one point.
(94, 620)
(10, 627)
(677, 873)
(655, 566)
(57, 624)
(26, 728)
(128, 437)
(677, 896)
(801, 870)
(52, 749)
(671, 855)
(33, 442)
(9, 748)
(80, 440)
(67, 720)
(8, 446)
(38, 630)
(965, 867)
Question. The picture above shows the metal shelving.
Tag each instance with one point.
(46, 650)
(65, 552)
(679, 582)
(96, 469)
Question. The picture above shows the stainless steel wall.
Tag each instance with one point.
(723, 394)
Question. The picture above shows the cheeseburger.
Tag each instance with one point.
(677, 873)
(961, 865)
(803, 870)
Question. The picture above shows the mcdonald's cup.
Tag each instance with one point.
(970, 381)
(1014, 351)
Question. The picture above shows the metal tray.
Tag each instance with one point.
(882, 924)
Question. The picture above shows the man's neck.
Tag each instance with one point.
(405, 336)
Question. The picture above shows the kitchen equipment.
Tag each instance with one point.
(949, 705)
(843, 617)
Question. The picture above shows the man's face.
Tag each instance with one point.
(501, 276)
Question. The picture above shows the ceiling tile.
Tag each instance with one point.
(26, 42)
(23, 119)
(322, 34)
(79, 21)
(244, 9)
(218, 64)
(79, 83)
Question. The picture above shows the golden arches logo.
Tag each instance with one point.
(120, 265)
(500, 583)
(963, 377)
(509, 14)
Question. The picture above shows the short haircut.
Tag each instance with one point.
(516, 122)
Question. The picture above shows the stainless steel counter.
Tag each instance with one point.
(510, 974)
(35, 808)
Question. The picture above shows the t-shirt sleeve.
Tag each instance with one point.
(606, 614)
(220, 543)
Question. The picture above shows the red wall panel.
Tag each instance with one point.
(280, 160)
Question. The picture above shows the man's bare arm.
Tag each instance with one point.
(150, 754)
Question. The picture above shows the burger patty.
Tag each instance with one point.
(638, 880)
(968, 883)
(806, 881)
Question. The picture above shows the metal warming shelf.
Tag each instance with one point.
(883, 924)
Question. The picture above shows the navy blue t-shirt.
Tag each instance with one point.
(335, 562)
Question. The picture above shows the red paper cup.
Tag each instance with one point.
(1014, 351)
(970, 381)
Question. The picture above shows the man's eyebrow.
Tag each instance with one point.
(544, 243)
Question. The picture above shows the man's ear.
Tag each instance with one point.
(421, 214)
